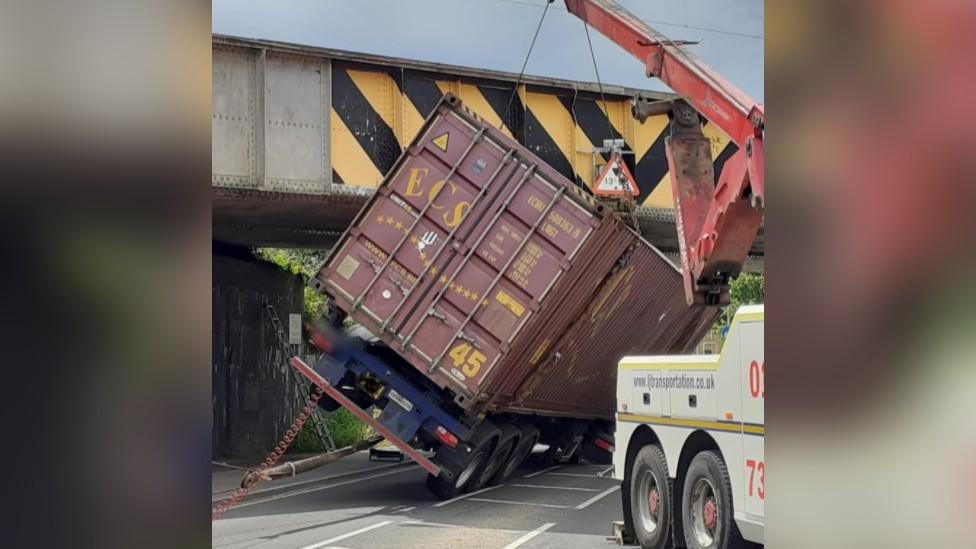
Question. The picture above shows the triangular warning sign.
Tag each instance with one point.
(441, 141)
(615, 179)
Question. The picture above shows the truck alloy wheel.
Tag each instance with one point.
(476, 460)
(704, 512)
(650, 498)
(707, 505)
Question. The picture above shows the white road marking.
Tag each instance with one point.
(465, 496)
(537, 473)
(572, 475)
(348, 535)
(318, 489)
(425, 523)
(421, 522)
(405, 510)
(530, 535)
(505, 502)
(555, 487)
(597, 498)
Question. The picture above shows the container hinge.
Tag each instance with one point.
(399, 286)
(469, 339)
(376, 268)
(438, 316)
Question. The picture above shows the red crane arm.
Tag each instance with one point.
(716, 221)
(717, 99)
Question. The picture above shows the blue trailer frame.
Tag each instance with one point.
(406, 408)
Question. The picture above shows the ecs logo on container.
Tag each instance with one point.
(415, 187)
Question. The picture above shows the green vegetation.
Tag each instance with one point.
(343, 426)
(346, 430)
(746, 289)
(299, 262)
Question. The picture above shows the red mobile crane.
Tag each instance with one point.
(716, 222)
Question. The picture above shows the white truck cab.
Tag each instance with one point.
(690, 434)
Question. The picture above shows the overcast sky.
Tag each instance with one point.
(495, 34)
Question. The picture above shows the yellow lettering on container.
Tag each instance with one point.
(414, 182)
(510, 302)
(536, 202)
(457, 214)
(469, 360)
(540, 350)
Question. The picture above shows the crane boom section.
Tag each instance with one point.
(717, 219)
(717, 99)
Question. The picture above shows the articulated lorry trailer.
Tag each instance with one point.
(498, 297)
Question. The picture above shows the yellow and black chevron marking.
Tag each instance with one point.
(375, 114)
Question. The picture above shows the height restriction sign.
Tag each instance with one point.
(615, 179)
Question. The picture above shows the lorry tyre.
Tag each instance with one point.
(650, 499)
(503, 449)
(471, 464)
(528, 438)
(706, 508)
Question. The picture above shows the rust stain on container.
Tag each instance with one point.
(500, 280)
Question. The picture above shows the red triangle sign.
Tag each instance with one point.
(615, 179)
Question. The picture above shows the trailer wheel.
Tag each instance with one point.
(527, 440)
(503, 449)
(650, 498)
(482, 445)
(707, 512)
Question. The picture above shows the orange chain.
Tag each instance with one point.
(296, 427)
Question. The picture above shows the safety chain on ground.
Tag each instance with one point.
(296, 427)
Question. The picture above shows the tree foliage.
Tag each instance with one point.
(304, 263)
(746, 289)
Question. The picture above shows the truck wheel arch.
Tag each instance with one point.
(697, 442)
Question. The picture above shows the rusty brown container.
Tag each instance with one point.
(500, 280)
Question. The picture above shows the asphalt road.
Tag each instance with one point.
(565, 506)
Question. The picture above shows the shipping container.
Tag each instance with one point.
(502, 288)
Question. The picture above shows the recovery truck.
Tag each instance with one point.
(501, 296)
(691, 432)
(690, 429)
